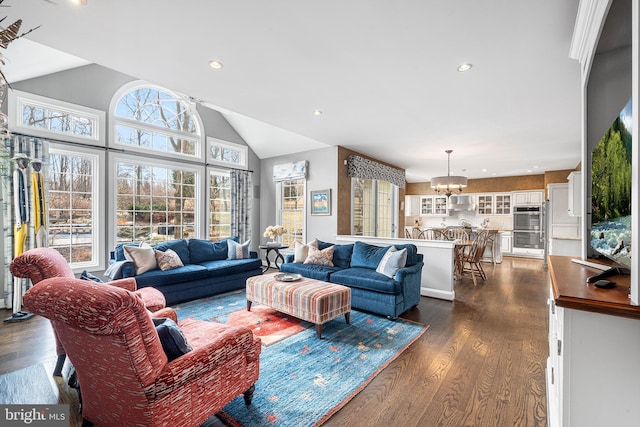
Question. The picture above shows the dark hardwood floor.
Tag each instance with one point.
(481, 362)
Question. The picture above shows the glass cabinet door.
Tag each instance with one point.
(426, 205)
(485, 204)
(503, 204)
(440, 205)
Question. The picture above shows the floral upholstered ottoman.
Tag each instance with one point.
(307, 299)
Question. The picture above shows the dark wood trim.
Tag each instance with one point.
(571, 290)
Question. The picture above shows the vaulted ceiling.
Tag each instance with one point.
(383, 73)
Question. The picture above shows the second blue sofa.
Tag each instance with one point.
(354, 265)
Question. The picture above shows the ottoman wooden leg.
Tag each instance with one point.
(347, 317)
(248, 305)
(319, 330)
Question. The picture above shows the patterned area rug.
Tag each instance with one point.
(270, 325)
(304, 380)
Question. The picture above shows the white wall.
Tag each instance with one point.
(322, 175)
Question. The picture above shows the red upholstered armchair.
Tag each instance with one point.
(43, 263)
(125, 376)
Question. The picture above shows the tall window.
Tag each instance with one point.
(73, 213)
(219, 205)
(154, 203)
(153, 120)
(372, 205)
(292, 208)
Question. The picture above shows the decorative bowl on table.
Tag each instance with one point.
(274, 244)
(288, 277)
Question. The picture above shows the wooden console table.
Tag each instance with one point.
(593, 370)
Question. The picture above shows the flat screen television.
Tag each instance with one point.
(611, 191)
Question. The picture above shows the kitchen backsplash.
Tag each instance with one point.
(503, 222)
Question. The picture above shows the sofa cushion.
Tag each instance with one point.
(179, 246)
(311, 271)
(168, 259)
(119, 251)
(412, 253)
(320, 257)
(341, 253)
(237, 250)
(143, 257)
(177, 275)
(173, 341)
(365, 278)
(226, 267)
(392, 261)
(367, 256)
(206, 250)
(301, 251)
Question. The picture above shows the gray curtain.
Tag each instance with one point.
(241, 204)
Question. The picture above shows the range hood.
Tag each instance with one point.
(461, 202)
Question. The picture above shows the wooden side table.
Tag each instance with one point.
(279, 256)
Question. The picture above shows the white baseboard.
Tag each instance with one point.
(437, 293)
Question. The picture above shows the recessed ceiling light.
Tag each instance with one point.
(464, 67)
(484, 170)
(529, 171)
(215, 64)
(535, 166)
(317, 112)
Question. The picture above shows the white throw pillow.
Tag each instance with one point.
(302, 251)
(143, 257)
(237, 250)
(392, 261)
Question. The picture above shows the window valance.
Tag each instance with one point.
(362, 168)
(287, 171)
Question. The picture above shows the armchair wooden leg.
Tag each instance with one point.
(248, 395)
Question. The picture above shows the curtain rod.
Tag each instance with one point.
(111, 149)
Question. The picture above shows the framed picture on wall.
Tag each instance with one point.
(321, 202)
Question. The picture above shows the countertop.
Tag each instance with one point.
(571, 290)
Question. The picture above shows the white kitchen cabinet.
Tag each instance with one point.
(575, 194)
(433, 205)
(412, 205)
(523, 198)
(506, 240)
(484, 204)
(503, 204)
(561, 224)
(493, 204)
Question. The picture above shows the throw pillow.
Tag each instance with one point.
(168, 259)
(237, 250)
(85, 275)
(302, 251)
(320, 257)
(392, 261)
(173, 341)
(143, 257)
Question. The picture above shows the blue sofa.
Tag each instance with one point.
(354, 265)
(206, 270)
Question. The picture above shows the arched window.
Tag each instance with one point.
(156, 199)
(150, 119)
